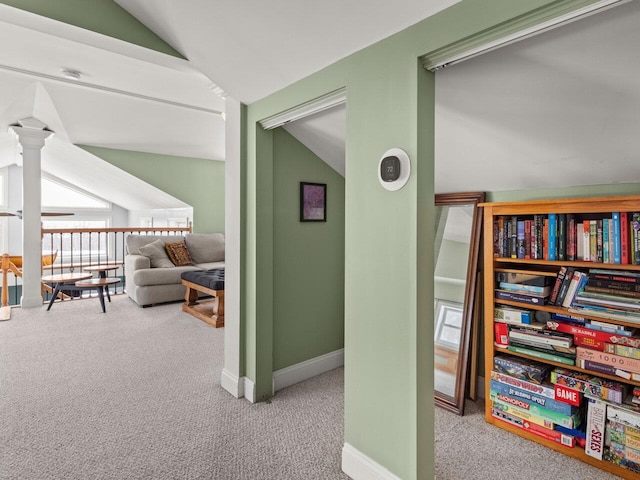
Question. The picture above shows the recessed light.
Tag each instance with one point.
(71, 74)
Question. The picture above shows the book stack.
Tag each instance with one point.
(523, 287)
(605, 238)
(622, 436)
(601, 347)
(568, 284)
(611, 294)
(522, 396)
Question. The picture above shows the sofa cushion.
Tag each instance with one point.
(178, 254)
(205, 247)
(157, 254)
(160, 276)
(134, 242)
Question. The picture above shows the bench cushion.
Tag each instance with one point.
(211, 279)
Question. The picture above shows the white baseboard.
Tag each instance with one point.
(249, 390)
(232, 384)
(305, 370)
(360, 467)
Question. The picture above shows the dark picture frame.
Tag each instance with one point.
(313, 202)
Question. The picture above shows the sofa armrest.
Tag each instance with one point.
(135, 262)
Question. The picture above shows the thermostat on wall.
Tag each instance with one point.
(394, 169)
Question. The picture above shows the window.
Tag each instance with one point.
(80, 247)
(58, 195)
(448, 324)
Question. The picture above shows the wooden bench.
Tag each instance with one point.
(208, 282)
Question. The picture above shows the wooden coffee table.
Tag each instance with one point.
(102, 272)
(101, 284)
(63, 282)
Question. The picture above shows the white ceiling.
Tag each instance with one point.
(519, 117)
(559, 109)
(252, 49)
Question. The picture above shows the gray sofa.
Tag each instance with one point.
(150, 275)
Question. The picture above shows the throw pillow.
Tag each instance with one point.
(156, 253)
(178, 254)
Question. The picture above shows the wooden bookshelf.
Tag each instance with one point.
(582, 208)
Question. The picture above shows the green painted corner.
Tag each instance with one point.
(100, 16)
(308, 258)
(196, 181)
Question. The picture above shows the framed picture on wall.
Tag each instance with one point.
(313, 202)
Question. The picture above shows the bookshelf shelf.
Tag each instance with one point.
(581, 208)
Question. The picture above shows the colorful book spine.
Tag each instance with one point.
(519, 287)
(578, 281)
(562, 236)
(552, 250)
(521, 368)
(514, 316)
(596, 416)
(618, 413)
(590, 385)
(589, 342)
(624, 363)
(586, 241)
(615, 220)
(547, 434)
(513, 241)
(527, 410)
(605, 241)
(520, 238)
(542, 355)
(564, 317)
(527, 238)
(571, 238)
(599, 241)
(538, 221)
(604, 369)
(553, 297)
(543, 390)
(622, 350)
(501, 334)
(635, 223)
(593, 241)
(542, 337)
(553, 405)
(595, 334)
(520, 297)
(624, 238)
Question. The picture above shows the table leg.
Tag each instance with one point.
(103, 274)
(101, 296)
(56, 290)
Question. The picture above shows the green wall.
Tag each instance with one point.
(389, 235)
(101, 16)
(196, 181)
(308, 311)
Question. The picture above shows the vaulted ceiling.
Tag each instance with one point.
(564, 101)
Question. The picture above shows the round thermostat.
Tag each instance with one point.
(394, 169)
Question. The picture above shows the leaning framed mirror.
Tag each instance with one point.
(457, 245)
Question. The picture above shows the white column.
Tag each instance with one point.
(31, 135)
(230, 378)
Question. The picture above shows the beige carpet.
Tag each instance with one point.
(135, 394)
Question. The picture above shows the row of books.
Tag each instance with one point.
(606, 293)
(610, 238)
(522, 395)
(570, 408)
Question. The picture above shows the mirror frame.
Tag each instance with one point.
(455, 404)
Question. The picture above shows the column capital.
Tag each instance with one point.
(31, 132)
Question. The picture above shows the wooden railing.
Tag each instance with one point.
(78, 248)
